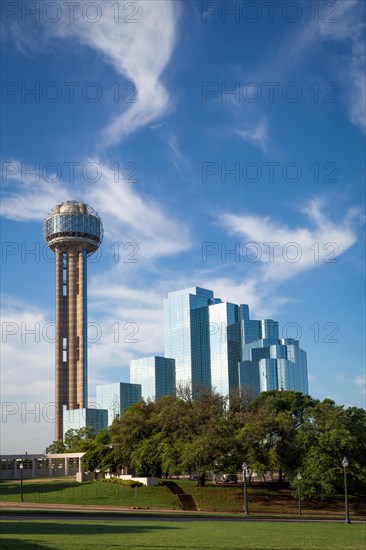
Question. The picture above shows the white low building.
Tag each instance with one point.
(40, 465)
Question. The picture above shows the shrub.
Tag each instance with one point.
(126, 482)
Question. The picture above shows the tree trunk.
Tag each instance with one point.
(201, 479)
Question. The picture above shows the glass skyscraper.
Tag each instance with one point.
(75, 419)
(117, 397)
(186, 335)
(216, 344)
(224, 348)
(155, 375)
(270, 363)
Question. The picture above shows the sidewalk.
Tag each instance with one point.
(11, 505)
(124, 510)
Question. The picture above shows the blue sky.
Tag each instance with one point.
(193, 132)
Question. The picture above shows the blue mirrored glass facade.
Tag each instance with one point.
(156, 376)
(75, 419)
(186, 335)
(268, 374)
(270, 363)
(225, 348)
(117, 397)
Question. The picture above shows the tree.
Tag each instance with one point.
(147, 435)
(167, 425)
(280, 431)
(94, 459)
(268, 434)
(75, 441)
(56, 447)
(79, 441)
(101, 454)
(330, 433)
(210, 436)
(131, 430)
(173, 434)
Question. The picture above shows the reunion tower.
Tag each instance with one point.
(72, 230)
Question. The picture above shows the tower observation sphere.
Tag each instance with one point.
(72, 225)
(73, 231)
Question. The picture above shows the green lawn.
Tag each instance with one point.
(108, 494)
(131, 535)
(213, 498)
(267, 501)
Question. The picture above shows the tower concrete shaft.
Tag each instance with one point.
(71, 342)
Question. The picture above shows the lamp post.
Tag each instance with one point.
(21, 481)
(299, 478)
(245, 467)
(345, 466)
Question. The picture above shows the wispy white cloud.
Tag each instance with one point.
(137, 39)
(284, 251)
(350, 29)
(257, 135)
(26, 196)
(138, 50)
(347, 27)
(246, 291)
(360, 381)
(178, 158)
(344, 23)
(143, 217)
(130, 320)
(176, 155)
(27, 377)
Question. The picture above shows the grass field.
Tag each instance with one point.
(90, 493)
(154, 535)
(263, 500)
(213, 498)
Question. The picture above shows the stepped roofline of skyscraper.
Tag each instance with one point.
(209, 294)
(196, 290)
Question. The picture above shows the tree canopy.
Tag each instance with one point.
(280, 432)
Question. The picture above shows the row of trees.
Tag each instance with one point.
(280, 431)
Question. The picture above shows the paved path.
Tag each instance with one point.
(186, 501)
(74, 512)
(17, 516)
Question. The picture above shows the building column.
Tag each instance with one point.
(60, 382)
(81, 332)
(72, 270)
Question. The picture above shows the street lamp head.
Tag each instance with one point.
(244, 466)
(21, 466)
(344, 462)
(299, 476)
